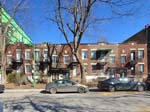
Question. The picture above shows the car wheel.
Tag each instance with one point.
(53, 90)
(111, 88)
(140, 88)
(81, 90)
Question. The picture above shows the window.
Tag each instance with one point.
(74, 71)
(66, 59)
(123, 59)
(27, 55)
(141, 68)
(85, 68)
(54, 59)
(28, 68)
(112, 59)
(93, 68)
(132, 55)
(93, 54)
(84, 54)
(37, 55)
(18, 54)
(9, 59)
(36, 68)
(140, 54)
(45, 54)
(18, 69)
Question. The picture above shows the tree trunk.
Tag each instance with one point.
(83, 77)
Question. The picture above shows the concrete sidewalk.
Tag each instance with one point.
(23, 90)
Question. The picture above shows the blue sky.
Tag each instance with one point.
(40, 29)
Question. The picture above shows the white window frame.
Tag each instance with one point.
(18, 54)
(66, 61)
(26, 54)
(9, 59)
(139, 54)
(38, 56)
(26, 68)
(84, 57)
(45, 54)
(141, 68)
(55, 61)
(92, 54)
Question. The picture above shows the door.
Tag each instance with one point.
(71, 86)
(125, 83)
(61, 86)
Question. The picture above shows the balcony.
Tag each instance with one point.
(133, 62)
(17, 61)
(45, 60)
(102, 60)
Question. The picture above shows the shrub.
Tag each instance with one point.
(17, 78)
(11, 78)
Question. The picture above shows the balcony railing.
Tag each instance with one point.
(102, 60)
(17, 61)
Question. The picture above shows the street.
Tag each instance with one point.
(93, 101)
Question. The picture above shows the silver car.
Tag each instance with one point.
(65, 86)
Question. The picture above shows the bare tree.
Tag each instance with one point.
(14, 6)
(73, 18)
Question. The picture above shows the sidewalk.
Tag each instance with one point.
(22, 90)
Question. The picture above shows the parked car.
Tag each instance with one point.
(65, 86)
(147, 81)
(114, 84)
(2, 88)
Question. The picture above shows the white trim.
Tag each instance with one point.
(65, 55)
(18, 49)
(85, 64)
(141, 63)
(45, 49)
(112, 55)
(132, 49)
(54, 55)
(140, 48)
(36, 49)
(84, 49)
(27, 49)
(123, 54)
(93, 63)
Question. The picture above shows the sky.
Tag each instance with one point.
(40, 29)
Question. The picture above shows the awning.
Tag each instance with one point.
(103, 50)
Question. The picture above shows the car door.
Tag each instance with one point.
(119, 85)
(70, 86)
(125, 83)
(61, 86)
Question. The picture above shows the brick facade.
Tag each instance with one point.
(127, 59)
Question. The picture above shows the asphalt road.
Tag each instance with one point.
(93, 101)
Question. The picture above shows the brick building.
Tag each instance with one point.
(55, 61)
